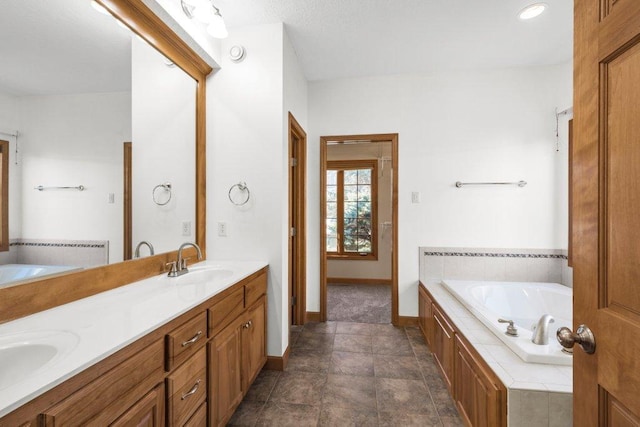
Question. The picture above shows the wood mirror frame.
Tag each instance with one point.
(24, 299)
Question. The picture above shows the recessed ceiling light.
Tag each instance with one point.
(532, 11)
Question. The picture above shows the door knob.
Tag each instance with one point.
(583, 337)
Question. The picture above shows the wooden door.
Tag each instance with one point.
(225, 390)
(254, 350)
(606, 210)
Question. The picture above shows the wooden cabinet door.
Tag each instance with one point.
(479, 395)
(225, 390)
(254, 350)
(147, 412)
(425, 320)
(606, 202)
(443, 346)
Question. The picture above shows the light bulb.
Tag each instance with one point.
(532, 11)
(217, 27)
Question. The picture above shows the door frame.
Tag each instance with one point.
(127, 202)
(324, 140)
(297, 218)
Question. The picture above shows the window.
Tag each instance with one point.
(351, 209)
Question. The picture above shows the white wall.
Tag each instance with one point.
(493, 125)
(246, 142)
(163, 149)
(70, 140)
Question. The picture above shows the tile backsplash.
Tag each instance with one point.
(78, 253)
(498, 264)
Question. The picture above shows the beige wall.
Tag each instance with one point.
(380, 269)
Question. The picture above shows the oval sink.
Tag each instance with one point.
(23, 355)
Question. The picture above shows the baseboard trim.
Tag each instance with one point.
(313, 316)
(358, 281)
(407, 321)
(278, 363)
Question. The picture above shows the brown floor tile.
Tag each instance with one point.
(348, 417)
(296, 328)
(293, 337)
(349, 363)
(444, 403)
(353, 343)
(403, 367)
(247, 414)
(345, 391)
(321, 327)
(312, 341)
(299, 387)
(401, 418)
(309, 361)
(409, 395)
(392, 345)
(262, 386)
(387, 330)
(354, 328)
(451, 421)
(278, 414)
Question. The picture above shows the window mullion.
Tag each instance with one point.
(340, 197)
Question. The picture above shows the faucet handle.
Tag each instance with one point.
(511, 329)
(173, 270)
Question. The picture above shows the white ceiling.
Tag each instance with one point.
(350, 38)
(61, 47)
(64, 46)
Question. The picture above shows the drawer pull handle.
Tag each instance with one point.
(192, 391)
(195, 338)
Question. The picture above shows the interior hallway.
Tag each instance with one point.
(358, 374)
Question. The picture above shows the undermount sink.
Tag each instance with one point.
(23, 355)
(197, 275)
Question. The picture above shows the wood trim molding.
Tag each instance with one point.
(4, 196)
(32, 297)
(278, 363)
(358, 281)
(128, 202)
(313, 316)
(407, 321)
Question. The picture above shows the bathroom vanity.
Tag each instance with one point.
(161, 351)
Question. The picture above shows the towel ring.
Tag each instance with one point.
(167, 188)
(242, 186)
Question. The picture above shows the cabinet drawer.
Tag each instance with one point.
(187, 388)
(224, 311)
(199, 419)
(183, 341)
(105, 399)
(255, 289)
(442, 347)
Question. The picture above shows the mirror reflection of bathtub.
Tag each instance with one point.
(11, 274)
(524, 303)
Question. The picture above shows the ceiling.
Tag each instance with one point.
(352, 38)
(64, 46)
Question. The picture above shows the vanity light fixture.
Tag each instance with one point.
(206, 12)
(532, 11)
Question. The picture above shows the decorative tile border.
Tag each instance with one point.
(495, 255)
(60, 245)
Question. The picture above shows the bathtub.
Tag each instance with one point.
(524, 303)
(10, 273)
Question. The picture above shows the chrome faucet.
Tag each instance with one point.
(541, 330)
(143, 242)
(179, 267)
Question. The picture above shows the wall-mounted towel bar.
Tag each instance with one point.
(42, 188)
(519, 183)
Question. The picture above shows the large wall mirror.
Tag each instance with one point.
(105, 132)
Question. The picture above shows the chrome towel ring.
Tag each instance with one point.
(154, 194)
(241, 186)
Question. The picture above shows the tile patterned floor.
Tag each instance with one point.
(351, 374)
(359, 303)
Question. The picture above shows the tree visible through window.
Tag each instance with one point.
(351, 209)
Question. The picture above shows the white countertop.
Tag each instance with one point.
(98, 326)
(512, 370)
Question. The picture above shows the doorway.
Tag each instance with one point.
(359, 244)
(297, 224)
